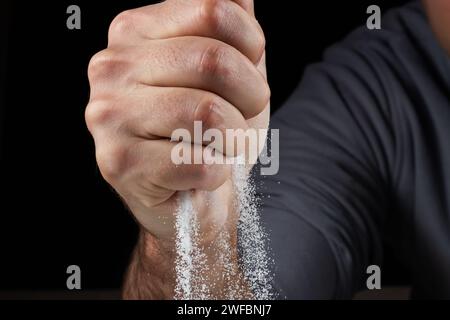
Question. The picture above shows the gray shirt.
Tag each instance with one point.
(365, 164)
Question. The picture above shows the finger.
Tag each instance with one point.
(158, 112)
(247, 5)
(226, 21)
(154, 164)
(204, 64)
(206, 175)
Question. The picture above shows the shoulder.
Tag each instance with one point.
(375, 69)
(405, 49)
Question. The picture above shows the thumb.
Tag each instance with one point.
(248, 6)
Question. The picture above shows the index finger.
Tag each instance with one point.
(223, 20)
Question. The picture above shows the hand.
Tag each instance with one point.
(166, 66)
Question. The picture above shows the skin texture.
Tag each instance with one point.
(438, 12)
(166, 66)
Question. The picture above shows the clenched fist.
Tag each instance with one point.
(166, 66)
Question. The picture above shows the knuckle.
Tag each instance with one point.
(207, 112)
(98, 112)
(213, 61)
(122, 24)
(212, 13)
(260, 104)
(112, 162)
(102, 64)
(260, 44)
(266, 95)
(264, 101)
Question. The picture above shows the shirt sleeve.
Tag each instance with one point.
(325, 209)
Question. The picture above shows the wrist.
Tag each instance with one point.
(150, 274)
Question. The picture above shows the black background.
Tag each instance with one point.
(55, 209)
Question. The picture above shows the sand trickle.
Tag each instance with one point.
(255, 259)
(191, 282)
(190, 260)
